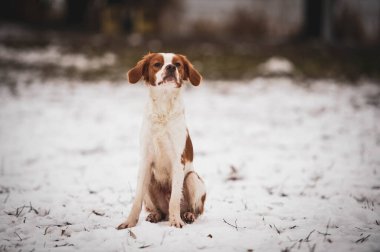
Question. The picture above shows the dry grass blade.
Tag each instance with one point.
(46, 229)
(63, 245)
(230, 224)
(18, 211)
(98, 213)
(235, 226)
(363, 239)
(277, 230)
(234, 174)
(307, 237)
(131, 234)
(145, 246)
(18, 236)
(31, 208)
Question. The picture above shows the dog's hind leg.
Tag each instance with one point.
(194, 197)
(156, 202)
(155, 215)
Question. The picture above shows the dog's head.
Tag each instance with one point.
(164, 69)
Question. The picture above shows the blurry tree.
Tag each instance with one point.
(247, 26)
(318, 19)
(348, 26)
(146, 14)
(31, 11)
(109, 16)
(76, 11)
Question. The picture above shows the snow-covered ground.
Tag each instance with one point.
(306, 161)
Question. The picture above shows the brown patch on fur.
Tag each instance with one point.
(187, 154)
(187, 204)
(160, 195)
(180, 65)
(190, 172)
(187, 71)
(146, 68)
(201, 208)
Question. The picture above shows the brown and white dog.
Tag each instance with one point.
(167, 182)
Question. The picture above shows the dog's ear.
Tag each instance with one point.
(190, 72)
(140, 70)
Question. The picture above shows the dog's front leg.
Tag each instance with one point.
(142, 185)
(176, 195)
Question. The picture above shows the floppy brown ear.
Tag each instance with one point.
(191, 73)
(140, 70)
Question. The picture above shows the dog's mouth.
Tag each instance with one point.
(169, 78)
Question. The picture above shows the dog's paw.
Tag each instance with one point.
(127, 224)
(154, 217)
(176, 222)
(189, 217)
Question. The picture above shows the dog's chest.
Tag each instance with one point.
(161, 152)
(167, 141)
(165, 134)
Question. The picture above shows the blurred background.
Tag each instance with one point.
(225, 39)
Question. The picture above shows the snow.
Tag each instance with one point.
(307, 158)
(276, 65)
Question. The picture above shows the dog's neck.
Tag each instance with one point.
(165, 103)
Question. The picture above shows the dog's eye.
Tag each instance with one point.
(177, 64)
(158, 64)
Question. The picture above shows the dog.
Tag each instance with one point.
(167, 183)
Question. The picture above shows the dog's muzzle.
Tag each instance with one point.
(170, 73)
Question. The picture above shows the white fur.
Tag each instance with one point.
(162, 142)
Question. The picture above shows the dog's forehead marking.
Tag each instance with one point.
(168, 58)
(157, 57)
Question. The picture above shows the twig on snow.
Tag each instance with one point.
(32, 208)
(163, 237)
(131, 234)
(18, 236)
(6, 198)
(18, 211)
(63, 245)
(54, 225)
(234, 174)
(363, 239)
(145, 246)
(235, 226)
(307, 237)
(325, 234)
(46, 229)
(278, 231)
(98, 213)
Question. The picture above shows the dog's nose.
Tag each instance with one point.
(170, 68)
